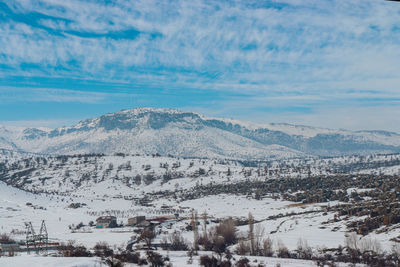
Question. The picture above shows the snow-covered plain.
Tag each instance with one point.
(177, 259)
(40, 261)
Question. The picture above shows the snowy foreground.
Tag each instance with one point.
(69, 191)
(307, 222)
(177, 259)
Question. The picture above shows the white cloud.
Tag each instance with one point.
(309, 53)
(16, 94)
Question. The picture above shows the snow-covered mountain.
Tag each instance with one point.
(189, 134)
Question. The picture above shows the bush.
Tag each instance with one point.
(304, 251)
(156, 259)
(128, 256)
(220, 237)
(227, 229)
(6, 239)
(243, 262)
(206, 240)
(71, 251)
(102, 249)
(112, 262)
(208, 261)
(268, 249)
(283, 251)
(176, 242)
(243, 248)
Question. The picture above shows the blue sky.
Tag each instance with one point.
(316, 62)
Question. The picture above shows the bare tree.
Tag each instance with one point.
(147, 236)
(195, 232)
(303, 249)
(268, 247)
(251, 233)
(205, 222)
(351, 241)
(283, 251)
(227, 229)
(369, 245)
(258, 239)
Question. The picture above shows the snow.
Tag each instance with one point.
(58, 217)
(177, 258)
(187, 134)
(40, 261)
(110, 191)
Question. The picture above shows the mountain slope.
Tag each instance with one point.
(188, 134)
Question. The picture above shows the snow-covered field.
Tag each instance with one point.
(289, 229)
(40, 261)
(177, 259)
(109, 185)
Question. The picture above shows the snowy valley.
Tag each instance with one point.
(284, 203)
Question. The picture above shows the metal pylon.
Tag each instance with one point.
(43, 236)
(38, 241)
(30, 236)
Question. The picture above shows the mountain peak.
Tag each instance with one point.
(182, 133)
(141, 110)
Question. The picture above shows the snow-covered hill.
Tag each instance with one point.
(127, 185)
(135, 173)
(188, 134)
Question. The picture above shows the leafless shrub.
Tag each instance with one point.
(282, 250)
(268, 247)
(227, 229)
(6, 239)
(208, 261)
(258, 240)
(351, 241)
(156, 259)
(102, 249)
(113, 262)
(368, 244)
(127, 256)
(147, 236)
(243, 248)
(304, 251)
(74, 251)
(219, 237)
(243, 262)
(175, 242)
(206, 240)
(251, 233)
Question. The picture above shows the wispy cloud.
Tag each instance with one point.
(15, 94)
(308, 55)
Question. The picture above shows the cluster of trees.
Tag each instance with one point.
(114, 257)
(306, 190)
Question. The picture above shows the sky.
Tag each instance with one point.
(326, 63)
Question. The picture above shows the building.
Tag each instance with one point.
(106, 222)
(136, 220)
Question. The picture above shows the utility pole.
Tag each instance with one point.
(30, 236)
(43, 236)
(38, 241)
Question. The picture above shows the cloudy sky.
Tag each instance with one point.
(328, 63)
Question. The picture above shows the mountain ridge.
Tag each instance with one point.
(184, 133)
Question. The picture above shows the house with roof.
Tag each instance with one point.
(106, 222)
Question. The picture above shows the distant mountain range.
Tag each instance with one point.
(189, 134)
